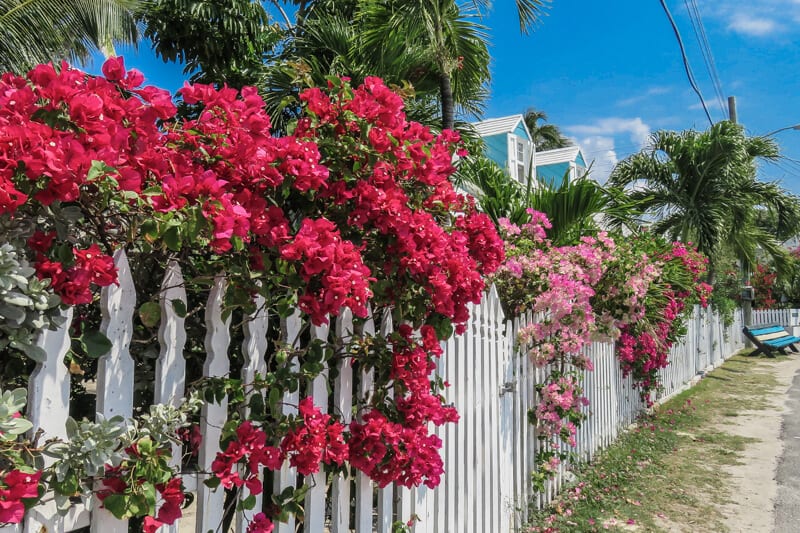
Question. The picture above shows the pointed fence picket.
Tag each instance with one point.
(488, 455)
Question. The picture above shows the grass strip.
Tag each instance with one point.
(667, 472)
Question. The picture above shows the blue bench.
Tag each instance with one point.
(770, 339)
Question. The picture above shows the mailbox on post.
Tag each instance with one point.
(748, 293)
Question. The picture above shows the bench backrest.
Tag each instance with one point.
(766, 333)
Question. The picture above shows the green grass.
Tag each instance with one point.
(667, 470)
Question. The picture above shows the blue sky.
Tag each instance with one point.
(609, 73)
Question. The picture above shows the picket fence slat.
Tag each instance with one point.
(287, 476)
(315, 497)
(210, 502)
(363, 482)
(115, 369)
(343, 401)
(48, 386)
(170, 382)
(254, 349)
(385, 509)
(48, 405)
(457, 359)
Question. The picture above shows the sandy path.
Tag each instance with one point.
(753, 487)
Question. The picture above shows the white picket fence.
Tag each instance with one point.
(788, 318)
(488, 455)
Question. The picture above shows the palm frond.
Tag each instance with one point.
(40, 31)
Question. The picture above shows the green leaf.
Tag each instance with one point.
(212, 482)
(97, 170)
(95, 343)
(72, 427)
(172, 238)
(36, 353)
(179, 306)
(116, 505)
(145, 446)
(249, 502)
(150, 314)
(274, 400)
(149, 229)
(256, 405)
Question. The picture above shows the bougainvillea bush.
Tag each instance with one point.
(637, 291)
(352, 209)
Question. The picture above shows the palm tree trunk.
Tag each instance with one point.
(448, 108)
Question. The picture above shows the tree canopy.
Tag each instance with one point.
(702, 187)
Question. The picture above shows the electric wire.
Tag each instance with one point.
(714, 71)
(705, 50)
(686, 66)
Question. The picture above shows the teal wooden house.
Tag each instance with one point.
(553, 165)
(508, 143)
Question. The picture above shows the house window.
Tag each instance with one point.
(521, 161)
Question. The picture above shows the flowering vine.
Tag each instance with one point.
(635, 291)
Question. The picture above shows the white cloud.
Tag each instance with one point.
(634, 128)
(755, 26)
(600, 141)
(601, 154)
(637, 98)
(754, 18)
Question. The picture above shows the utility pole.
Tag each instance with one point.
(732, 109)
(747, 290)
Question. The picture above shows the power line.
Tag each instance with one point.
(686, 60)
(705, 48)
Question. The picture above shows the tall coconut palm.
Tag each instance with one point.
(454, 44)
(544, 136)
(702, 187)
(38, 31)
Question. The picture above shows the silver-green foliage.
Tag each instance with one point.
(11, 424)
(27, 305)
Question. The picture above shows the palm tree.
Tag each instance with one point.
(454, 50)
(574, 208)
(39, 31)
(545, 136)
(702, 187)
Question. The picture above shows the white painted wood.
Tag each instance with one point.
(47, 409)
(405, 503)
(459, 361)
(254, 349)
(115, 369)
(363, 482)
(287, 476)
(475, 430)
(449, 444)
(385, 510)
(45, 518)
(48, 386)
(315, 497)
(493, 363)
(343, 402)
(487, 396)
(213, 416)
(170, 383)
